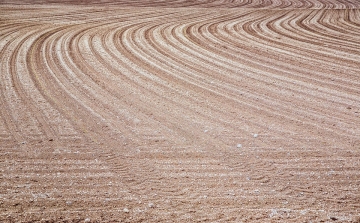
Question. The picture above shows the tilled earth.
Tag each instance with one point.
(180, 111)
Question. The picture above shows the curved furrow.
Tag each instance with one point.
(154, 64)
(31, 107)
(119, 62)
(322, 77)
(137, 185)
(184, 71)
(92, 77)
(128, 73)
(180, 165)
(66, 75)
(261, 177)
(21, 119)
(162, 64)
(77, 79)
(186, 62)
(114, 71)
(308, 62)
(155, 77)
(270, 40)
(56, 65)
(346, 78)
(277, 4)
(250, 29)
(294, 26)
(319, 38)
(41, 50)
(332, 87)
(51, 120)
(175, 128)
(60, 64)
(349, 22)
(214, 111)
(232, 69)
(8, 129)
(323, 26)
(339, 29)
(279, 63)
(193, 95)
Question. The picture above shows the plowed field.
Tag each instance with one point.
(180, 111)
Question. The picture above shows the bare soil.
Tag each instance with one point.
(180, 111)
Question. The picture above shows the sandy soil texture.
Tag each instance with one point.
(180, 111)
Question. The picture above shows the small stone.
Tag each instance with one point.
(238, 145)
(87, 220)
(126, 210)
(256, 135)
(151, 205)
(68, 203)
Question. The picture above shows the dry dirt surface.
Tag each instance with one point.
(180, 111)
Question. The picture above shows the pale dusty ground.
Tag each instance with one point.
(183, 111)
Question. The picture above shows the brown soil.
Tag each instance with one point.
(180, 111)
